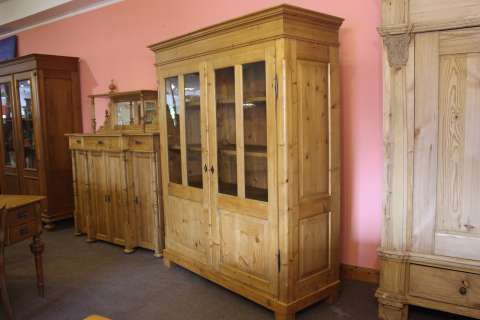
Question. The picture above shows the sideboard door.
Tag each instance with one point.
(446, 182)
(117, 196)
(98, 193)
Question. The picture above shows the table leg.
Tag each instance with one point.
(5, 300)
(37, 248)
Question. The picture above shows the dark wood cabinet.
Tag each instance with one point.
(39, 103)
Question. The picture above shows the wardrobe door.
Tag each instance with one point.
(184, 161)
(446, 181)
(243, 155)
(8, 142)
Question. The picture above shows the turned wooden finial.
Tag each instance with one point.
(112, 87)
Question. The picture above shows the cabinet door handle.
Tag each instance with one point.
(212, 169)
(79, 141)
(138, 142)
(205, 168)
(464, 288)
(135, 200)
(100, 142)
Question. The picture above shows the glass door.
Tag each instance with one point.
(8, 146)
(242, 150)
(183, 112)
(27, 111)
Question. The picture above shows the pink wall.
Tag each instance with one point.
(111, 43)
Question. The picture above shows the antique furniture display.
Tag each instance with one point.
(117, 175)
(20, 219)
(430, 252)
(250, 148)
(39, 103)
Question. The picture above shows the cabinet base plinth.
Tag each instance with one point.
(284, 316)
(388, 312)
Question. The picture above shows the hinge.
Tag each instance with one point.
(275, 83)
(279, 262)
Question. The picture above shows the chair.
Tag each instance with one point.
(3, 285)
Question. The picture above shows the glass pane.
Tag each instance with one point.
(25, 100)
(255, 131)
(172, 103)
(7, 124)
(150, 112)
(192, 129)
(124, 113)
(226, 139)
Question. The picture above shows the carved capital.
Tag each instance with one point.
(397, 49)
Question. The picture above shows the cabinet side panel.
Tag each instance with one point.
(59, 118)
(318, 162)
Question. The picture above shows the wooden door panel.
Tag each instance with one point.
(242, 150)
(314, 128)
(245, 249)
(143, 165)
(447, 146)
(117, 196)
(83, 196)
(99, 191)
(187, 228)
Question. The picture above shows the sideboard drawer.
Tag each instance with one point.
(103, 143)
(21, 232)
(140, 143)
(75, 143)
(21, 215)
(445, 285)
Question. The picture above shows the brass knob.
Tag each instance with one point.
(464, 288)
(100, 142)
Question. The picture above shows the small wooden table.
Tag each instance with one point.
(24, 222)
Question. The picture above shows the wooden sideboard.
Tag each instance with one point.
(116, 187)
(249, 116)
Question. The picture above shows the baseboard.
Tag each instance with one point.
(359, 273)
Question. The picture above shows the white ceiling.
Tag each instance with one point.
(18, 15)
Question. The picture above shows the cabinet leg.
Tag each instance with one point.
(333, 298)
(168, 263)
(158, 253)
(90, 240)
(284, 316)
(128, 250)
(392, 312)
(37, 248)
(49, 226)
(7, 307)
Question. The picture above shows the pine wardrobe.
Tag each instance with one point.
(250, 151)
(430, 252)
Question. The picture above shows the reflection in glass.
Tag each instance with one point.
(124, 113)
(172, 103)
(150, 112)
(226, 139)
(6, 112)
(24, 88)
(192, 129)
(255, 131)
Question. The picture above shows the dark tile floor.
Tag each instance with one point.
(83, 279)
